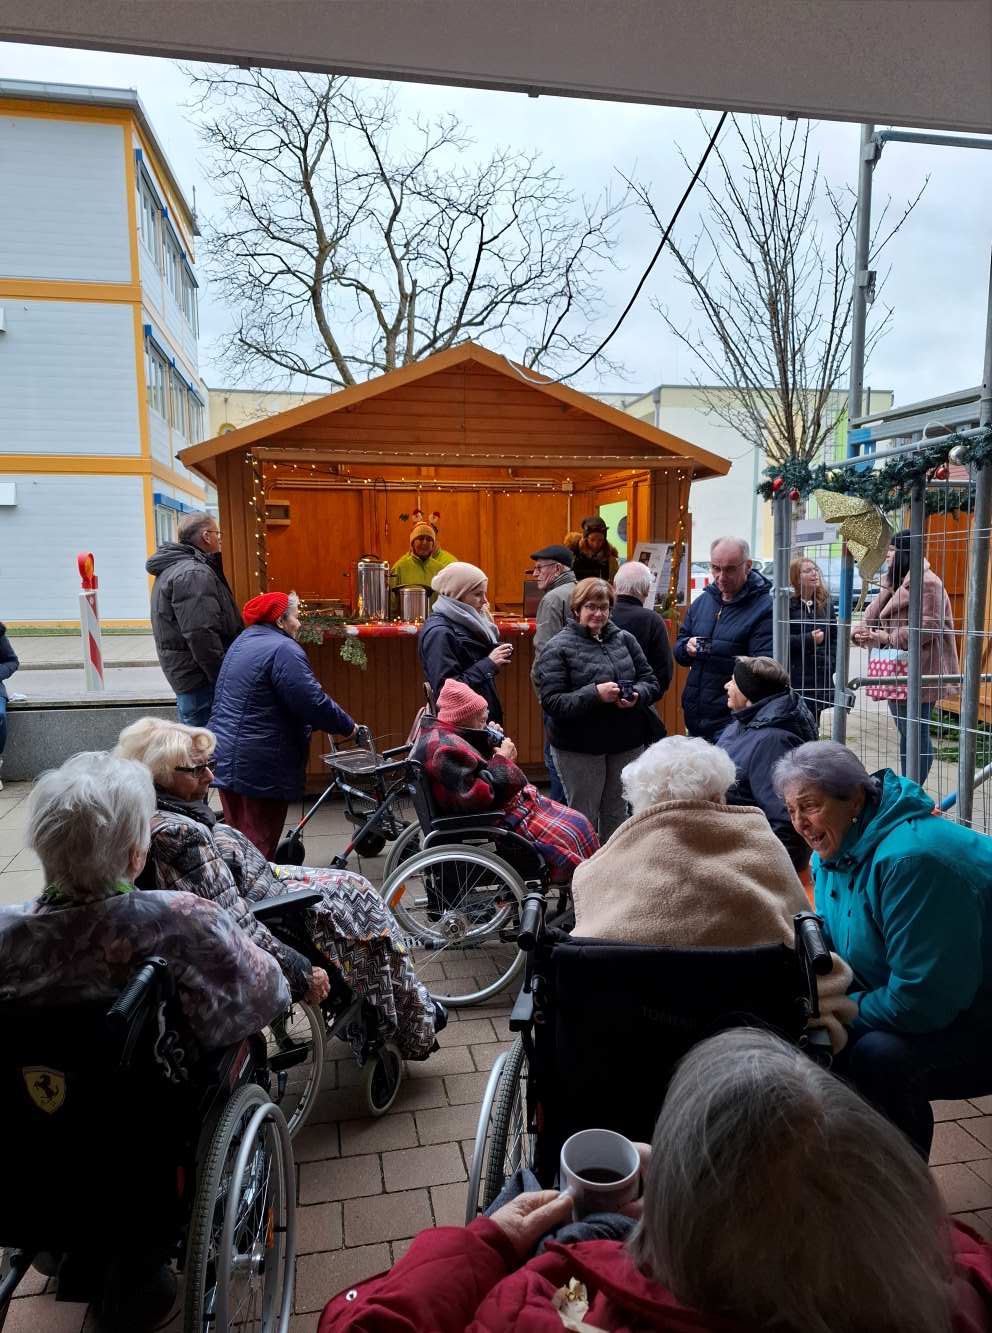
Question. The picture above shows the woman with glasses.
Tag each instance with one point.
(193, 851)
(597, 689)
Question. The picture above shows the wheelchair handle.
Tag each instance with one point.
(530, 921)
(121, 1013)
(809, 933)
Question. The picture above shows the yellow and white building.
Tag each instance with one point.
(99, 381)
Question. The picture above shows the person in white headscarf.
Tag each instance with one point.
(458, 640)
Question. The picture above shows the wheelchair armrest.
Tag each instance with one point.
(403, 750)
(522, 1016)
(296, 901)
(455, 823)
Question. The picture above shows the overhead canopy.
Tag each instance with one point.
(904, 62)
(466, 406)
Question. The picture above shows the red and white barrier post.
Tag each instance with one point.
(89, 624)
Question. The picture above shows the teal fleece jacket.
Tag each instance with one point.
(907, 903)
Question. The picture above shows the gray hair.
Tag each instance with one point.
(293, 605)
(678, 768)
(777, 1197)
(192, 525)
(739, 542)
(86, 819)
(826, 765)
(632, 579)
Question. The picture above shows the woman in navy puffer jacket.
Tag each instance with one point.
(266, 703)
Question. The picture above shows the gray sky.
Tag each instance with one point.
(939, 262)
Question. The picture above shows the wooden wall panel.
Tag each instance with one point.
(522, 523)
(315, 553)
(237, 526)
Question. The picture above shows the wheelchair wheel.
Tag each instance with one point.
(406, 845)
(459, 909)
(510, 1142)
(383, 1076)
(371, 845)
(295, 1044)
(242, 1238)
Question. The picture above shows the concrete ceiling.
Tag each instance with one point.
(896, 62)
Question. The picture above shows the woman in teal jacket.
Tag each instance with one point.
(906, 898)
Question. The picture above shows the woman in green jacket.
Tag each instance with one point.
(906, 898)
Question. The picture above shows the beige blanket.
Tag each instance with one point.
(690, 874)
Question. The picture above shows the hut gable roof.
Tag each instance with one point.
(464, 405)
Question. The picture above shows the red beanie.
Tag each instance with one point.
(266, 608)
(458, 703)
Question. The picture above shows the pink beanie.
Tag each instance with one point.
(458, 703)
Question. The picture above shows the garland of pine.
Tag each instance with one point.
(890, 486)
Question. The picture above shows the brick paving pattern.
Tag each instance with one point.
(366, 1187)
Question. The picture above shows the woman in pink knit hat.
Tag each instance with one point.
(471, 768)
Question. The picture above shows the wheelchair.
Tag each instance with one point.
(457, 888)
(297, 1041)
(602, 1026)
(118, 1126)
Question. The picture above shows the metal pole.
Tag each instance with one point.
(782, 528)
(914, 689)
(978, 578)
(859, 317)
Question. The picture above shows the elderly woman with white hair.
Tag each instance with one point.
(350, 928)
(80, 942)
(774, 1198)
(267, 701)
(633, 584)
(906, 899)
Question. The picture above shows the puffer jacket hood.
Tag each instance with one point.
(170, 553)
(785, 711)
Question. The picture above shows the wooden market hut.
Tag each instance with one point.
(510, 460)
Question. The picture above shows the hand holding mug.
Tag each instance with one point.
(601, 1170)
(501, 654)
(507, 749)
(818, 636)
(608, 691)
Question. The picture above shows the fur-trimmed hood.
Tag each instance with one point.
(576, 542)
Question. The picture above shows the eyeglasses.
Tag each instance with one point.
(195, 770)
(726, 569)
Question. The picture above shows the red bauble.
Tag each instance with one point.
(941, 472)
(793, 495)
(777, 484)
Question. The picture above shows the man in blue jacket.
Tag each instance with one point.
(732, 618)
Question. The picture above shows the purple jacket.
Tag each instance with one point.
(266, 704)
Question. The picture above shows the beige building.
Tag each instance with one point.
(725, 504)
(230, 409)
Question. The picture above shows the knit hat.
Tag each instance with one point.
(458, 703)
(266, 608)
(457, 579)
(755, 688)
(422, 530)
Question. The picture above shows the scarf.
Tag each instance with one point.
(198, 810)
(53, 895)
(462, 614)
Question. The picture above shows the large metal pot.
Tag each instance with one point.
(372, 588)
(412, 600)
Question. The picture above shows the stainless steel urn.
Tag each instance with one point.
(413, 601)
(372, 588)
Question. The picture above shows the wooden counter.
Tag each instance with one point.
(388, 693)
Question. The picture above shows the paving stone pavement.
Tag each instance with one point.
(366, 1187)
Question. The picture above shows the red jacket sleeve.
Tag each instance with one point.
(438, 1284)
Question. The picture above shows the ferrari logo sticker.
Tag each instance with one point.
(46, 1087)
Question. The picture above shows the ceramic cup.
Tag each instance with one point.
(601, 1170)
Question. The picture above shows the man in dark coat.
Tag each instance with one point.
(194, 615)
(768, 720)
(731, 618)
(633, 585)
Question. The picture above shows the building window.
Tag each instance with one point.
(173, 267)
(150, 222)
(155, 381)
(166, 525)
(178, 389)
(195, 418)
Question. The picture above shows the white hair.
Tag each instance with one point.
(632, 579)
(163, 746)
(739, 542)
(678, 768)
(87, 818)
(776, 1197)
(293, 605)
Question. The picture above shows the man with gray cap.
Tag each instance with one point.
(555, 580)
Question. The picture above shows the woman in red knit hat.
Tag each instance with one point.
(472, 768)
(266, 703)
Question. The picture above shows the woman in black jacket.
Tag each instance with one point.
(597, 689)
(812, 637)
(458, 640)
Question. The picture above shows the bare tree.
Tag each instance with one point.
(774, 283)
(351, 240)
